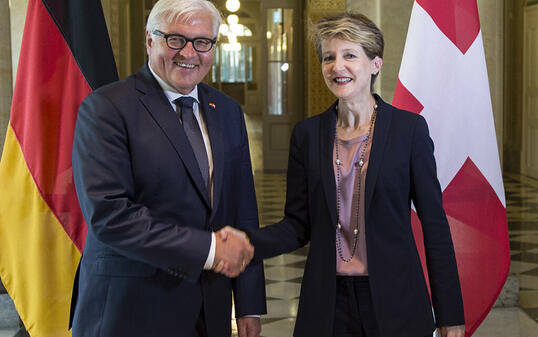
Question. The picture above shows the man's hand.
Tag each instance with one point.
(249, 326)
(232, 252)
(228, 230)
(453, 331)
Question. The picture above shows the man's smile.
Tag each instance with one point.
(185, 65)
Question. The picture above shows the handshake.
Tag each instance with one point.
(233, 252)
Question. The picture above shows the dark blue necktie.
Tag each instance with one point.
(192, 130)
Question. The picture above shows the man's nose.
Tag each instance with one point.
(188, 50)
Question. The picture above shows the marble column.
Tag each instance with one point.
(5, 70)
(513, 84)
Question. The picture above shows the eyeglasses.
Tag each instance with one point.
(178, 42)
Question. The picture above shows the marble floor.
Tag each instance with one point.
(284, 273)
(522, 212)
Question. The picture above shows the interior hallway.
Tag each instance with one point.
(284, 273)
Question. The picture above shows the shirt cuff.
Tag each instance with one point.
(211, 256)
(255, 316)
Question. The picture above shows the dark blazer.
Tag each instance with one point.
(149, 215)
(401, 169)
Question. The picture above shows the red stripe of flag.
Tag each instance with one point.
(405, 100)
(457, 19)
(479, 229)
(49, 89)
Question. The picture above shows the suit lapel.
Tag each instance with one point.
(159, 107)
(381, 130)
(214, 128)
(326, 140)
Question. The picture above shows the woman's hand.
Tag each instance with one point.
(249, 326)
(453, 331)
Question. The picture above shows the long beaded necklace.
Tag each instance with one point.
(358, 174)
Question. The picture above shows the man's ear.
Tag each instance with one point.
(149, 41)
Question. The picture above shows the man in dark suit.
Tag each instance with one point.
(161, 162)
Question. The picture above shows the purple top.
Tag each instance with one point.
(349, 152)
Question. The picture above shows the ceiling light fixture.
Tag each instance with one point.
(233, 5)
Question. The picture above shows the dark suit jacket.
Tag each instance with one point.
(401, 169)
(149, 215)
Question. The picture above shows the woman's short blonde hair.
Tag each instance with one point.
(353, 27)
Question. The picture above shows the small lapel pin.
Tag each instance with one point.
(212, 105)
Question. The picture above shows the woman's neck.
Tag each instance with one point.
(356, 112)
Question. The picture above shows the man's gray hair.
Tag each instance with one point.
(171, 11)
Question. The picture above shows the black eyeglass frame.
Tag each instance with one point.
(187, 40)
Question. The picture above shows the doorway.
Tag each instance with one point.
(283, 71)
(259, 63)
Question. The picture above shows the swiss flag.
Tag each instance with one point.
(443, 77)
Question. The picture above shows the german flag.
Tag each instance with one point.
(65, 54)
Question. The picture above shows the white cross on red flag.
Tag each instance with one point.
(443, 77)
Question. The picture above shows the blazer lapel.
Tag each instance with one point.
(326, 145)
(214, 128)
(381, 130)
(159, 107)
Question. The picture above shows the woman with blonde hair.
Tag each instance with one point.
(352, 174)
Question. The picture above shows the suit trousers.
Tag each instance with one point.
(354, 313)
(201, 329)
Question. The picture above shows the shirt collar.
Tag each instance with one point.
(171, 93)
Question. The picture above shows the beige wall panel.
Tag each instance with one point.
(325, 6)
(370, 8)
